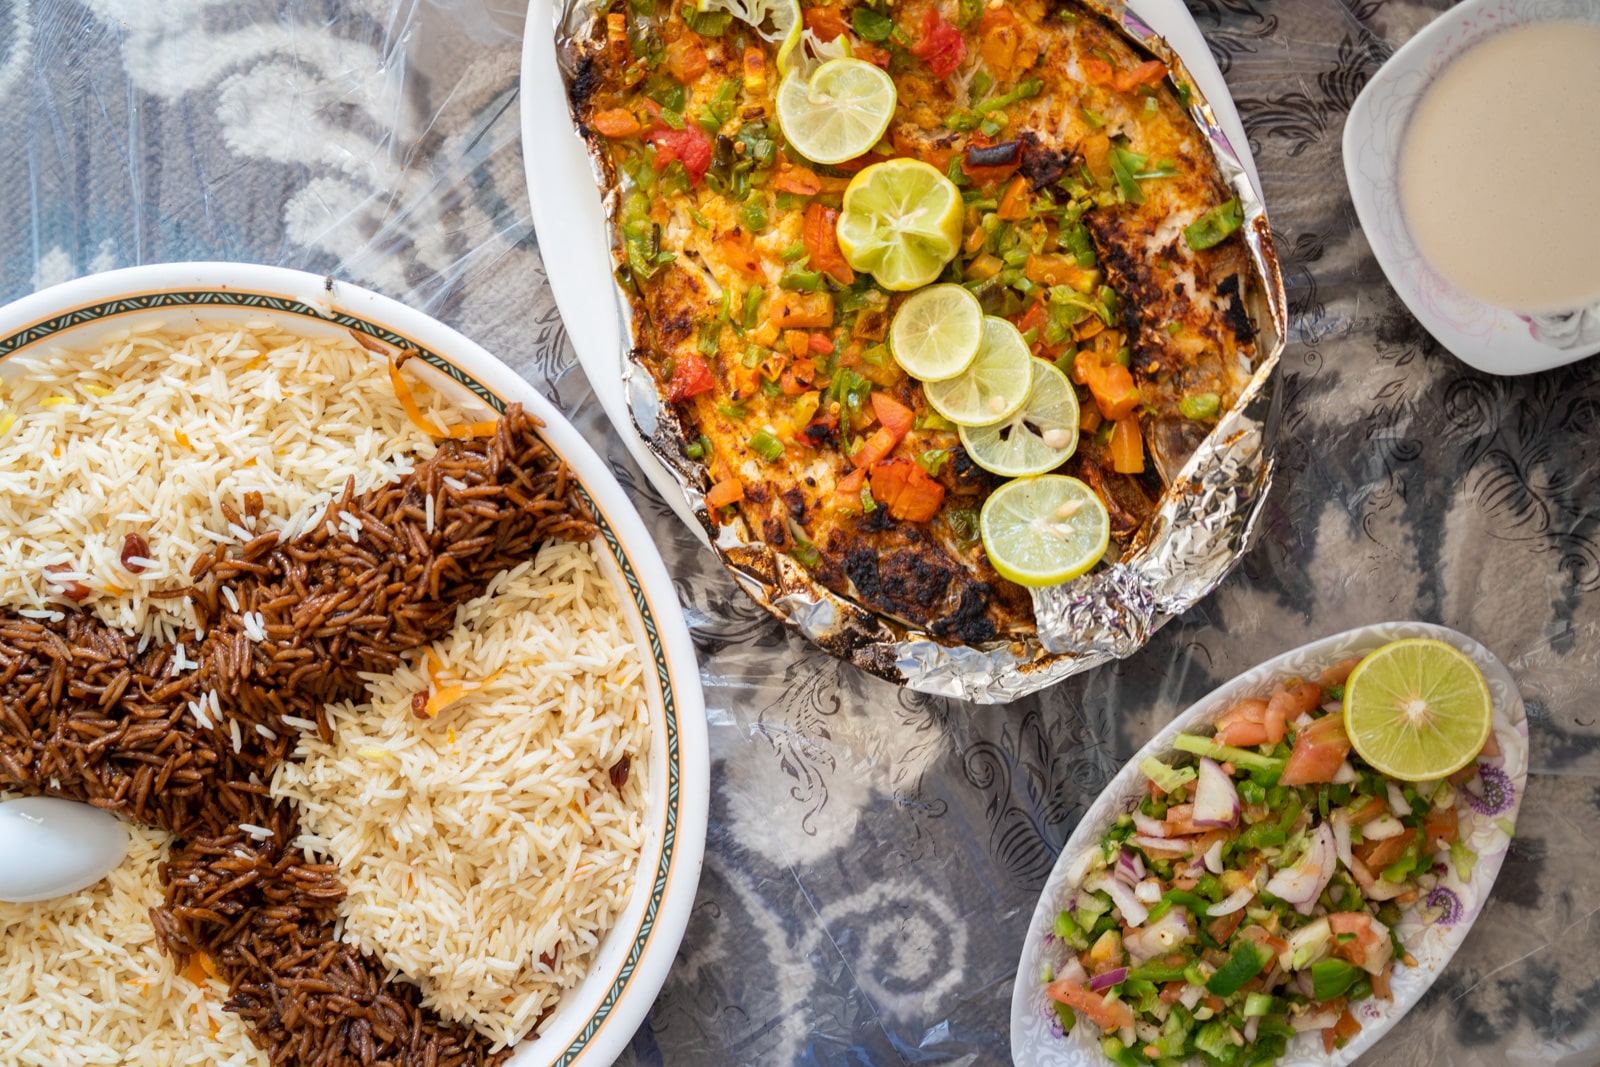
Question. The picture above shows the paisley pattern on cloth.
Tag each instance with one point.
(875, 855)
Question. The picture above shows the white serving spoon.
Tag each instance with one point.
(50, 847)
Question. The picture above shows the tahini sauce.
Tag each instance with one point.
(1500, 168)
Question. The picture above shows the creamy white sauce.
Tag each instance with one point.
(1500, 168)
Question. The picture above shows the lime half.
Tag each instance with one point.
(901, 223)
(1044, 530)
(838, 114)
(1417, 709)
(936, 333)
(774, 20)
(994, 386)
(1039, 438)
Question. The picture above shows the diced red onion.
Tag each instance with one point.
(1374, 888)
(1320, 1020)
(1303, 984)
(1126, 1035)
(1250, 1026)
(1332, 706)
(1304, 718)
(1382, 828)
(1216, 801)
(1148, 891)
(1107, 980)
(1301, 884)
(1341, 840)
(1163, 845)
(1081, 864)
(1233, 901)
(1160, 937)
(1149, 826)
(1072, 971)
(1190, 995)
(1397, 800)
(1213, 857)
(1345, 774)
(1133, 912)
(1130, 868)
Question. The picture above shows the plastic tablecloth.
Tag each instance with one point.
(874, 855)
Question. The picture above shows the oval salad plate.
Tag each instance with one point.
(570, 222)
(1487, 823)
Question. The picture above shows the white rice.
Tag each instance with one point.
(83, 981)
(475, 843)
(153, 430)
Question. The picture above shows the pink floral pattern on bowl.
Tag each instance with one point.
(1487, 337)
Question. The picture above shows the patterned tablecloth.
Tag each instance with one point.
(874, 855)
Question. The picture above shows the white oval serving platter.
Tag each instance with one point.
(1036, 1037)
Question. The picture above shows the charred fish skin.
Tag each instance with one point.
(770, 359)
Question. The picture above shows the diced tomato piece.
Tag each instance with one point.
(1241, 734)
(689, 146)
(1112, 1015)
(690, 377)
(941, 46)
(1379, 854)
(907, 490)
(1222, 927)
(847, 490)
(820, 343)
(616, 123)
(1374, 807)
(1343, 1030)
(797, 379)
(1319, 748)
(826, 22)
(1096, 71)
(686, 59)
(728, 491)
(1033, 318)
(1289, 701)
(1441, 828)
(895, 416)
(1339, 673)
(821, 236)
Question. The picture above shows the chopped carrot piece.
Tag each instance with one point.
(728, 491)
(820, 234)
(1014, 202)
(1127, 456)
(616, 123)
(821, 344)
(825, 21)
(895, 416)
(800, 311)
(686, 60)
(847, 491)
(908, 491)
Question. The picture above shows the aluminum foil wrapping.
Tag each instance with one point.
(1202, 526)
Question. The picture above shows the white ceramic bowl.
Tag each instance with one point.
(1036, 1039)
(1490, 338)
(595, 1021)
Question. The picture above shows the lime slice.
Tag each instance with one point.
(1417, 709)
(937, 332)
(782, 15)
(994, 386)
(1039, 438)
(901, 223)
(1044, 530)
(840, 113)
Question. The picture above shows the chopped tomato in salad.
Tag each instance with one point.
(1254, 891)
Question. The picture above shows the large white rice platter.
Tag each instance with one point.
(482, 859)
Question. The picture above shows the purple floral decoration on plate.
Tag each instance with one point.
(1495, 794)
(1446, 902)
